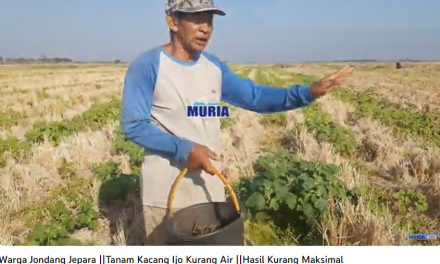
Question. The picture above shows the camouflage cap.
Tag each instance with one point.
(192, 6)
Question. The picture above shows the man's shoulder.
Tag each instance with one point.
(211, 57)
(146, 63)
(148, 57)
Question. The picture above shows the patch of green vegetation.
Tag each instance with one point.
(121, 145)
(292, 193)
(320, 124)
(403, 121)
(39, 212)
(33, 213)
(299, 78)
(415, 225)
(411, 200)
(65, 218)
(15, 147)
(267, 234)
(273, 119)
(275, 80)
(227, 122)
(94, 118)
(245, 73)
(277, 119)
(66, 169)
(10, 118)
(262, 78)
(377, 200)
(115, 185)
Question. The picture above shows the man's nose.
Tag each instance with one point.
(206, 29)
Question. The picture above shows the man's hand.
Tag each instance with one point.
(199, 158)
(328, 83)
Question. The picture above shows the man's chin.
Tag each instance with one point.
(199, 47)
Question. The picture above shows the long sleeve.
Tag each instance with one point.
(137, 102)
(246, 94)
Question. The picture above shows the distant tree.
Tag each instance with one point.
(398, 65)
(21, 60)
(117, 61)
(1, 59)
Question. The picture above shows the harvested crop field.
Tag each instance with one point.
(360, 166)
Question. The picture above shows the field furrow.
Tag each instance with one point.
(414, 87)
(22, 115)
(396, 158)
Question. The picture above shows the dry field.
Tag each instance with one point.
(359, 167)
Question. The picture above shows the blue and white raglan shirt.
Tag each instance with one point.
(158, 89)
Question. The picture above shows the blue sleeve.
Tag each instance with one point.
(246, 94)
(137, 101)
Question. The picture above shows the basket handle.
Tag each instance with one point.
(180, 177)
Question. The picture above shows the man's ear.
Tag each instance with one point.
(172, 23)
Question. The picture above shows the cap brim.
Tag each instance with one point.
(214, 10)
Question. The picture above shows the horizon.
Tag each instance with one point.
(329, 32)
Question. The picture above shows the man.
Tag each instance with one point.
(159, 86)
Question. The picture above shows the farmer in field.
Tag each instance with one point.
(159, 86)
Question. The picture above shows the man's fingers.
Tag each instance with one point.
(341, 71)
(344, 68)
(337, 79)
(329, 78)
(207, 166)
(225, 173)
(212, 155)
(345, 71)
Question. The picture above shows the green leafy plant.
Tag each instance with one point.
(377, 200)
(94, 118)
(115, 186)
(63, 222)
(10, 118)
(320, 123)
(291, 192)
(411, 200)
(15, 147)
(121, 145)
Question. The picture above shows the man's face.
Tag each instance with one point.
(194, 29)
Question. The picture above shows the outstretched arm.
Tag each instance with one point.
(246, 94)
(139, 85)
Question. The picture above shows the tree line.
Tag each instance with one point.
(33, 60)
(44, 59)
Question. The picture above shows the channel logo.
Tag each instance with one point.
(207, 110)
(422, 236)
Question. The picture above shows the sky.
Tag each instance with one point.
(252, 30)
